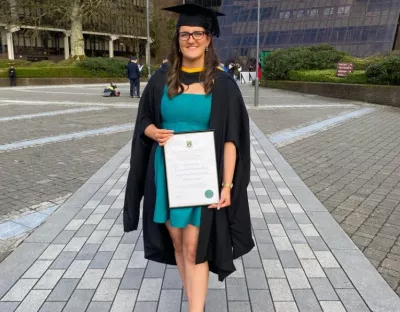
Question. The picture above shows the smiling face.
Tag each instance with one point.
(193, 47)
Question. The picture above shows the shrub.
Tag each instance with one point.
(113, 67)
(280, 63)
(328, 75)
(54, 72)
(386, 71)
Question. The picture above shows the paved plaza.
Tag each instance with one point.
(308, 155)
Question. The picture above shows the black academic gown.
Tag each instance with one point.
(225, 234)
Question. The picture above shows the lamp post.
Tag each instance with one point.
(148, 39)
(256, 89)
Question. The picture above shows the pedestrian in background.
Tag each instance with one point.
(12, 74)
(164, 64)
(133, 73)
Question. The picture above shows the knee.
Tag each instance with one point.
(178, 247)
(190, 253)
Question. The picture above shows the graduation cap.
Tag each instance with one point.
(196, 15)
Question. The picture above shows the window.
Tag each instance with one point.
(344, 10)
(284, 14)
(312, 12)
(329, 11)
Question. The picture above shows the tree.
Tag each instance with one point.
(162, 31)
(67, 14)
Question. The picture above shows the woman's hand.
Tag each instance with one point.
(225, 200)
(162, 136)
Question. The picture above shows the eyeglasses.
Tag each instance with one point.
(197, 35)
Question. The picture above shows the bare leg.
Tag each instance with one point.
(177, 239)
(196, 275)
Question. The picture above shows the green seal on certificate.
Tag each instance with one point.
(209, 194)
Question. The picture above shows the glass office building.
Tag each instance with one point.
(359, 27)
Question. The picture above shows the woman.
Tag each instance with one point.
(192, 95)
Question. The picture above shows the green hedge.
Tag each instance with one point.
(54, 72)
(278, 64)
(327, 75)
(386, 71)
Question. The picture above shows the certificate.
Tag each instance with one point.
(191, 169)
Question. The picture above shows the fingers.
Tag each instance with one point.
(223, 203)
(162, 136)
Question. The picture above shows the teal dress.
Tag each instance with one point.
(185, 112)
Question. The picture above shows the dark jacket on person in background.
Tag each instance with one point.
(12, 73)
(225, 234)
(133, 71)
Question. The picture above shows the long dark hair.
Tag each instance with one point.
(211, 62)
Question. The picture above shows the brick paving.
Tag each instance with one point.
(81, 260)
(354, 170)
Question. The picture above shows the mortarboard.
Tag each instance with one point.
(196, 15)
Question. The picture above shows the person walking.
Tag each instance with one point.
(12, 74)
(165, 63)
(193, 95)
(133, 74)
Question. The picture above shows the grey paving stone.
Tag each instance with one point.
(155, 269)
(75, 244)
(88, 251)
(116, 269)
(33, 301)
(130, 238)
(286, 307)
(63, 290)
(170, 301)
(280, 290)
(19, 290)
(323, 289)
(261, 301)
(150, 289)
(112, 214)
(283, 213)
(216, 301)
(91, 279)
(50, 279)
(338, 278)
(289, 224)
(273, 269)
(213, 282)
(8, 306)
(263, 237)
(97, 237)
(79, 300)
(83, 214)
(123, 252)
(332, 306)
(326, 259)
(124, 301)
(106, 290)
(256, 279)
(289, 259)
(317, 244)
(271, 218)
(172, 279)
(282, 243)
(301, 218)
(352, 300)
(77, 269)
(303, 251)
(252, 260)
(52, 307)
(132, 279)
(37, 269)
(137, 260)
(306, 300)
(139, 244)
(297, 279)
(239, 268)
(146, 306)
(239, 306)
(110, 244)
(101, 260)
(267, 251)
(52, 252)
(64, 260)
(105, 225)
(116, 231)
(64, 237)
(99, 307)
(276, 230)
(95, 218)
(312, 268)
(237, 289)
(296, 237)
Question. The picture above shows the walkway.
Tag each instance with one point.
(80, 259)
